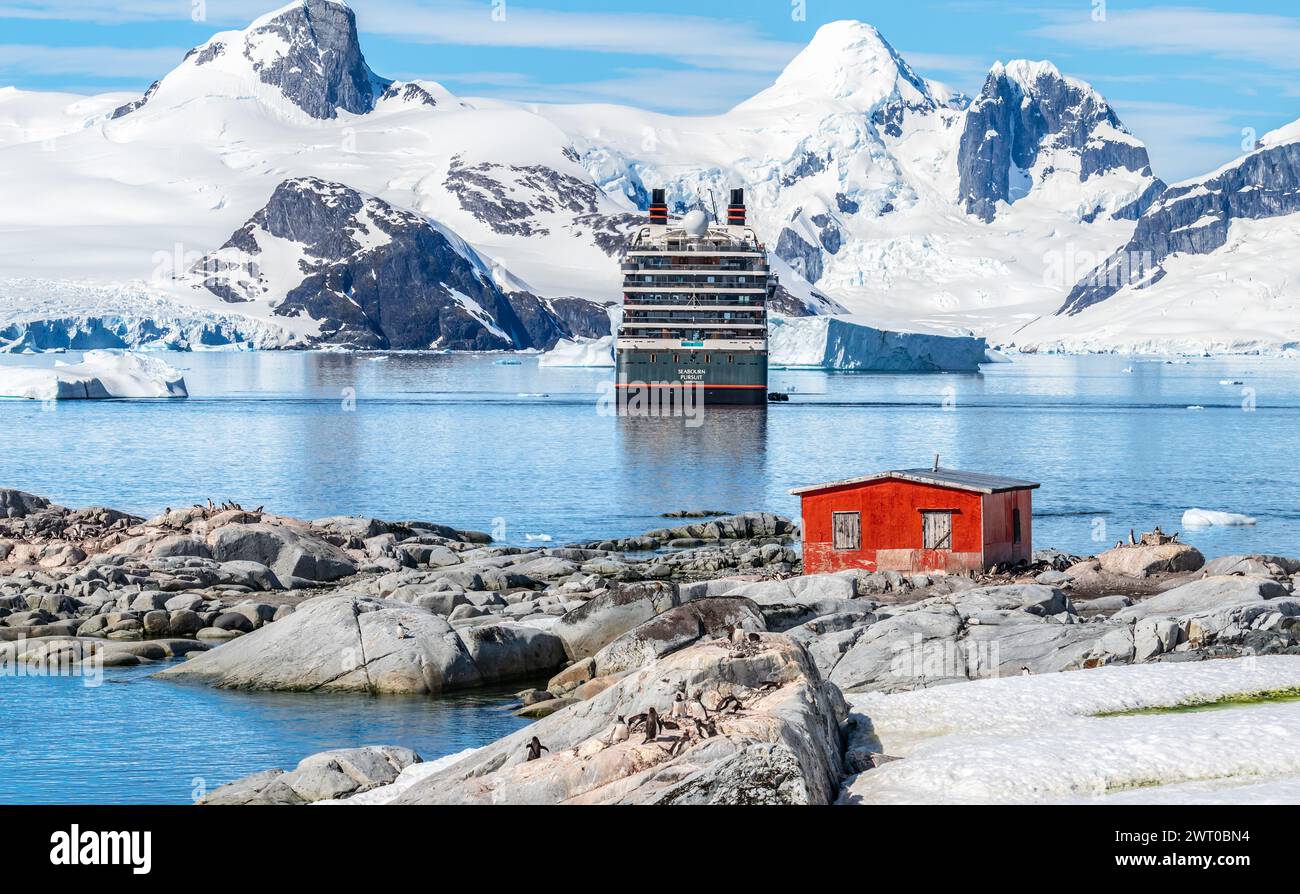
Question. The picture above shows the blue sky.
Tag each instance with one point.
(1186, 77)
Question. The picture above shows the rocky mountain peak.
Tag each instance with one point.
(1029, 109)
(308, 51)
(364, 273)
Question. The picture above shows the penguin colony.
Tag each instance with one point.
(687, 716)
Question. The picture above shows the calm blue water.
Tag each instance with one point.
(468, 442)
(136, 740)
(464, 441)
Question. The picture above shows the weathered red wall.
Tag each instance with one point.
(891, 527)
(999, 530)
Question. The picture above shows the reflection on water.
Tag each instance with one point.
(670, 458)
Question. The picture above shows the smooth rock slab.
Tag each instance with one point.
(675, 629)
(601, 620)
(343, 644)
(1141, 561)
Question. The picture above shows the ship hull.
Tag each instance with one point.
(734, 378)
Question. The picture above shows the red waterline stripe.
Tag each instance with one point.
(684, 385)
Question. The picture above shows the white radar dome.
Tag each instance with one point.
(696, 223)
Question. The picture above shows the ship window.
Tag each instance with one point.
(712, 279)
(677, 358)
(652, 358)
(707, 358)
(731, 358)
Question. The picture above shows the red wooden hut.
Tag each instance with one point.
(917, 520)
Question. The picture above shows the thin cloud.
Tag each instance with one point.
(100, 62)
(1259, 38)
(117, 12)
(965, 68)
(692, 40)
(1184, 141)
(663, 90)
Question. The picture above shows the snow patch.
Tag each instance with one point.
(1039, 739)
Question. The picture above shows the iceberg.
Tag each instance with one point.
(100, 375)
(586, 352)
(843, 343)
(1204, 518)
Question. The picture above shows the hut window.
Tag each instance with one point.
(847, 530)
(936, 530)
(1015, 526)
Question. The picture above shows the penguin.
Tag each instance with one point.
(535, 749)
(636, 721)
(698, 705)
(679, 704)
(651, 725)
(1024, 670)
(730, 703)
(620, 732)
(738, 636)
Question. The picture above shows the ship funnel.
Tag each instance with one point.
(658, 207)
(736, 208)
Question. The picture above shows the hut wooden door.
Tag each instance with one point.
(936, 530)
(847, 530)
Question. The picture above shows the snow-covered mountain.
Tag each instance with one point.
(1211, 266)
(272, 190)
(368, 275)
(859, 173)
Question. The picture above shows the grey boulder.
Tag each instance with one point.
(293, 554)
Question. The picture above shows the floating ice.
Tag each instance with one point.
(1204, 518)
(100, 375)
(585, 352)
(844, 343)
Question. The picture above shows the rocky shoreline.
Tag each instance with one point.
(708, 622)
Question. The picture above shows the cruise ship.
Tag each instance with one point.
(695, 297)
